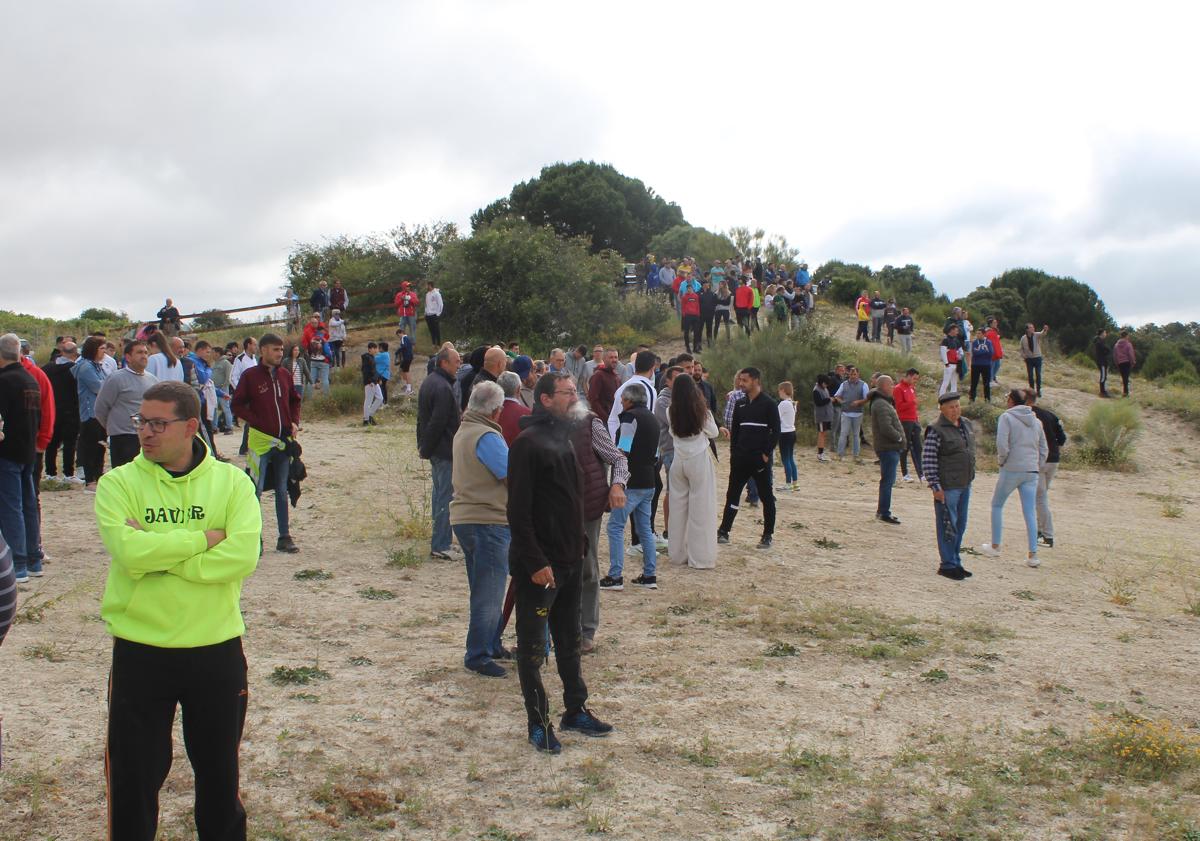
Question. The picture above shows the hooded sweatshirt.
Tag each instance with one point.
(1021, 441)
(165, 587)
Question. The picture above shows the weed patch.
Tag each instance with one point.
(298, 676)
(313, 575)
(406, 558)
(373, 595)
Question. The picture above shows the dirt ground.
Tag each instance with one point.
(833, 687)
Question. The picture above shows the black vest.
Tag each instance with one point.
(956, 461)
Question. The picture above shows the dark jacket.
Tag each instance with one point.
(319, 300)
(438, 416)
(1100, 352)
(956, 460)
(887, 434)
(754, 430)
(708, 304)
(369, 374)
(1056, 436)
(545, 498)
(21, 408)
(595, 472)
(267, 400)
(66, 395)
(602, 389)
(643, 448)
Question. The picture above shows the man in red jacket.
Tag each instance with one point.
(270, 406)
(46, 427)
(743, 304)
(905, 397)
(603, 385)
(689, 307)
(406, 307)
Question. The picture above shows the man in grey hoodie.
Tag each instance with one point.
(120, 398)
(1021, 450)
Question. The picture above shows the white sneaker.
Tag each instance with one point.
(822, 457)
(1034, 561)
(660, 542)
(989, 550)
(74, 480)
(907, 478)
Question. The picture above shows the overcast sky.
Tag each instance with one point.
(181, 149)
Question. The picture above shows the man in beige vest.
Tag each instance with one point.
(478, 515)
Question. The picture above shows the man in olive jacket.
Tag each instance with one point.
(949, 461)
(437, 421)
(887, 436)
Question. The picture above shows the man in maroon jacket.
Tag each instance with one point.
(603, 385)
(270, 406)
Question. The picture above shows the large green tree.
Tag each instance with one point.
(1072, 309)
(906, 284)
(1004, 304)
(587, 199)
(686, 241)
(515, 280)
(847, 280)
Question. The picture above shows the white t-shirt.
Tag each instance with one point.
(787, 415)
(433, 302)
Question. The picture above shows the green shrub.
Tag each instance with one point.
(1110, 430)
(1182, 401)
(1081, 359)
(1164, 360)
(869, 358)
(932, 314)
(984, 415)
(798, 356)
(1182, 377)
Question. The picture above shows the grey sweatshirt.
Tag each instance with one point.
(119, 398)
(1021, 441)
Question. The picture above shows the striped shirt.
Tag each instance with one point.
(608, 453)
(929, 456)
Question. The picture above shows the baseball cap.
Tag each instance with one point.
(522, 365)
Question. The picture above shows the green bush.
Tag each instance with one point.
(650, 314)
(1110, 430)
(985, 415)
(1164, 360)
(781, 355)
(932, 314)
(343, 399)
(1081, 359)
(1182, 401)
(1182, 377)
(869, 358)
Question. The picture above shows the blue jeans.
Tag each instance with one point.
(996, 369)
(486, 551)
(951, 522)
(1025, 484)
(19, 521)
(225, 405)
(1033, 367)
(279, 463)
(320, 374)
(787, 455)
(637, 505)
(851, 425)
(409, 323)
(888, 462)
(443, 490)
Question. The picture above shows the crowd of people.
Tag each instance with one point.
(528, 458)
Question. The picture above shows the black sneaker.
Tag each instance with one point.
(543, 739)
(1046, 541)
(366, 422)
(610, 583)
(373, 422)
(650, 582)
(504, 654)
(488, 668)
(722, 537)
(582, 721)
(953, 573)
(887, 518)
(765, 543)
(286, 544)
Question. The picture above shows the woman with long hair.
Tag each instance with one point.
(297, 365)
(823, 412)
(164, 364)
(787, 436)
(723, 309)
(692, 539)
(89, 373)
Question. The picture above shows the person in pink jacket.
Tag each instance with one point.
(1124, 355)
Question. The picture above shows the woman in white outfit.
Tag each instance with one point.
(692, 536)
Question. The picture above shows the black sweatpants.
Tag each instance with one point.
(912, 436)
(1125, 368)
(123, 449)
(981, 373)
(709, 322)
(66, 435)
(434, 323)
(743, 468)
(144, 687)
(91, 450)
(557, 609)
(691, 333)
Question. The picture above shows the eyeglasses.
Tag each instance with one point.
(572, 392)
(155, 425)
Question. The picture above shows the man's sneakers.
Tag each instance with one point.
(286, 544)
(722, 537)
(366, 422)
(953, 573)
(587, 646)
(488, 668)
(23, 577)
(888, 518)
(765, 543)
(608, 582)
(450, 553)
(660, 543)
(582, 721)
(650, 582)
(907, 478)
(989, 549)
(543, 738)
(1048, 542)
(372, 421)
(822, 457)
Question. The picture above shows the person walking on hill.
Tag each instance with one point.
(372, 393)
(183, 531)
(787, 436)
(404, 359)
(1126, 357)
(1056, 437)
(753, 434)
(1102, 353)
(992, 331)
(948, 457)
(708, 309)
(546, 556)
(862, 310)
(270, 407)
(950, 351)
(743, 302)
(878, 315)
(888, 439)
(722, 309)
(1031, 352)
(981, 366)
(119, 399)
(851, 396)
(692, 477)
(478, 516)
(689, 308)
(1021, 450)
(337, 338)
(904, 395)
(438, 420)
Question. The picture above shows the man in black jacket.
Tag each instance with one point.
(708, 309)
(545, 558)
(437, 420)
(66, 412)
(753, 433)
(1056, 436)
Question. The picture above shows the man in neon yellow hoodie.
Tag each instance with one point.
(183, 530)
